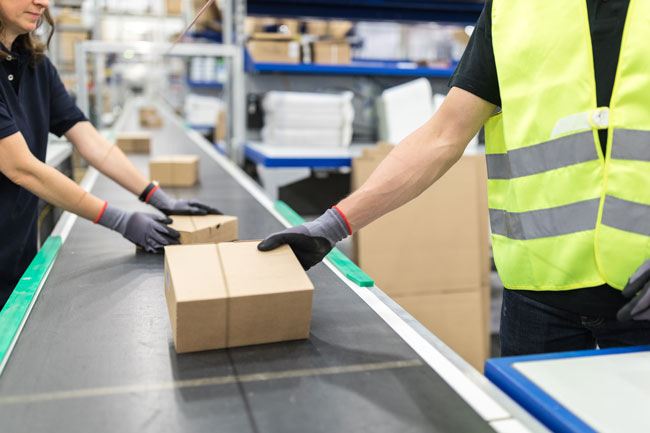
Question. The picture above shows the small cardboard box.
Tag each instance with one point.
(175, 170)
(332, 52)
(133, 142)
(274, 48)
(231, 294)
(204, 229)
(149, 118)
(174, 7)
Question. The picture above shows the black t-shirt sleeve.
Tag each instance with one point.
(477, 71)
(64, 113)
(7, 124)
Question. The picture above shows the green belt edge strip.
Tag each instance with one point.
(13, 313)
(338, 259)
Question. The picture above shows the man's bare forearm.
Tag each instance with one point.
(419, 160)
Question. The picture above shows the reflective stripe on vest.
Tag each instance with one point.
(550, 155)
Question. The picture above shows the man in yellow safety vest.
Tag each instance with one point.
(568, 159)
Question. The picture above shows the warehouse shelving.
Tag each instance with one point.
(392, 10)
(355, 67)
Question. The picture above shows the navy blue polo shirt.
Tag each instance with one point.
(34, 102)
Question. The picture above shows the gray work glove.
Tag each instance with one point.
(172, 206)
(311, 241)
(146, 230)
(638, 290)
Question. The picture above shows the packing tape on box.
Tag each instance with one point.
(338, 259)
(15, 311)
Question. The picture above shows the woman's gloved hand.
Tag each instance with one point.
(171, 206)
(146, 230)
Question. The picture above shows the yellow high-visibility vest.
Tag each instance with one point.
(564, 215)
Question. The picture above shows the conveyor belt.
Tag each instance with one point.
(96, 354)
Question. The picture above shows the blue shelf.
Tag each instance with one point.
(259, 157)
(460, 11)
(356, 67)
(205, 84)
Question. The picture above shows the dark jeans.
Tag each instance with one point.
(528, 327)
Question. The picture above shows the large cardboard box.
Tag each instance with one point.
(332, 52)
(438, 242)
(274, 48)
(433, 251)
(456, 318)
(174, 170)
(133, 142)
(204, 229)
(231, 294)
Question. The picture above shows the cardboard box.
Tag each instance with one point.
(149, 117)
(174, 170)
(204, 229)
(133, 142)
(274, 48)
(174, 7)
(67, 43)
(231, 294)
(334, 28)
(332, 52)
(438, 242)
(220, 127)
(456, 318)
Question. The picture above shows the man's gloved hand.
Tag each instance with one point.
(638, 289)
(311, 241)
(172, 206)
(146, 230)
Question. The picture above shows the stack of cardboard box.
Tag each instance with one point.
(432, 256)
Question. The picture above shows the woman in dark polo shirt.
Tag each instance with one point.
(33, 102)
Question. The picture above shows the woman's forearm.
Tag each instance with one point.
(106, 157)
(25, 170)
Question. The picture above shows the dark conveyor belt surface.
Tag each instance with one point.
(96, 354)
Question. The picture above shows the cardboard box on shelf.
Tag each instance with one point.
(438, 242)
(274, 48)
(67, 43)
(231, 294)
(456, 318)
(174, 170)
(133, 142)
(331, 52)
(334, 28)
(174, 7)
(205, 229)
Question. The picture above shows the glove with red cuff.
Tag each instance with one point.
(311, 241)
(638, 290)
(146, 230)
(155, 196)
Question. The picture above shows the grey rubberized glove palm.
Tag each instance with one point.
(638, 290)
(146, 230)
(311, 241)
(171, 206)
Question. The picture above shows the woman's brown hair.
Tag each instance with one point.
(30, 42)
